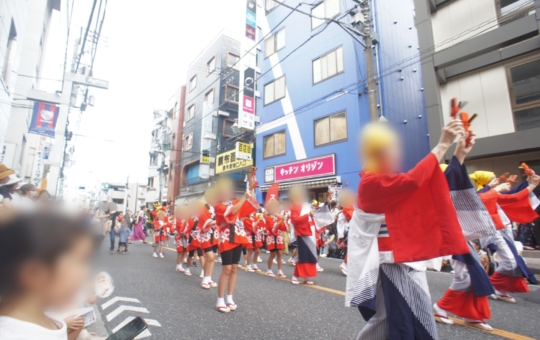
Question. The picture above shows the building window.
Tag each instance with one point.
(232, 59)
(274, 43)
(9, 54)
(190, 112)
(328, 65)
(274, 91)
(188, 141)
(209, 97)
(211, 66)
(227, 128)
(510, 10)
(524, 82)
(231, 93)
(192, 174)
(193, 83)
(331, 129)
(271, 4)
(274, 145)
(328, 9)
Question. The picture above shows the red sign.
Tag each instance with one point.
(314, 167)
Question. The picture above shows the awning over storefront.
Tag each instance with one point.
(310, 183)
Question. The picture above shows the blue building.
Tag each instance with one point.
(313, 93)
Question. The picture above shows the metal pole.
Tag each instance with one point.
(370, 65)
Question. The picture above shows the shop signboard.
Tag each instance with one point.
(307, 168)
(227, 162)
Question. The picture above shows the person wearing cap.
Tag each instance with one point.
(5, 172)
(7, 191)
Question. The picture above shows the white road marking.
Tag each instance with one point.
(122, 308)
(116, 299)
(145, 334)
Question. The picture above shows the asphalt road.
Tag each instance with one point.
(270, 308)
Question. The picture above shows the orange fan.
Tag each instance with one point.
(528, 171)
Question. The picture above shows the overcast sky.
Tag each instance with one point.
(145, 50)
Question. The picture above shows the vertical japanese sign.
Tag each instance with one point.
(243, 151)
(44, 117)
(251, 19)
(246, 114)
(37, 169)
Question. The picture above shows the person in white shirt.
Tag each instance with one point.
(41, 274)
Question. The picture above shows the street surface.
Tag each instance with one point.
(269, 308)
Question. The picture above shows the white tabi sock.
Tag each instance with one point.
(280, 272)
(220, 302)
(248, 266)
(229, 299)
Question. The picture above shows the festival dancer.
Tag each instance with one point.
(161, 223)
(231, 239)
(194, 245)
(402, 218)
(275, 226)
(209, 243)
(468, 294)
(512, 273)
(304, 229)
(251, 225)
(346, 200)
(181, 215)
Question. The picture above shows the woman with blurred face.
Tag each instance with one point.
(304, 229)
(275, 226)
(181, 215)
(209, 241)
(402, 220)
(231, 239)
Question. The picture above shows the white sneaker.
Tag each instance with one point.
(268, 251)
(283, 261)
(478, 324)
(274, 261)
(154, 255)
(324, 255)
(343, 268)
(259, 260)
(161, 255)
(441, 316)
(292, 262)
(319, 268)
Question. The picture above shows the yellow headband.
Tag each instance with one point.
(375, 138)
(481, 178)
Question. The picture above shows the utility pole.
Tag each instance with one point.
(126, 200)
(370, 65)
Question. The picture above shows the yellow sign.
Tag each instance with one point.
(243, 151)
(205, 159)
(227, 162)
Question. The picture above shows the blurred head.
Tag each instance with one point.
(195, 208)
(272, 207)
(44, 195)
(347, 198)
(224, 189)
(181, 212)
(143, 207)
(45, 257)
(161, 215)
(298, 194)
(28, 190)
(380, 149)
(210, 196)
(481, 178)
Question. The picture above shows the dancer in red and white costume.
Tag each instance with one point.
(194, 245)
(304, 229)
(275, 226)
(181, 215)
(161, 223)
(209, 242)
(346, 200)
(251, 226)
(232, 237)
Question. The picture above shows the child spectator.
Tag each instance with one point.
(124, 233)
(45, 263)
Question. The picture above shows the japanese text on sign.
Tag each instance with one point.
(228, 161)
(315, 167)
(243, 151)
